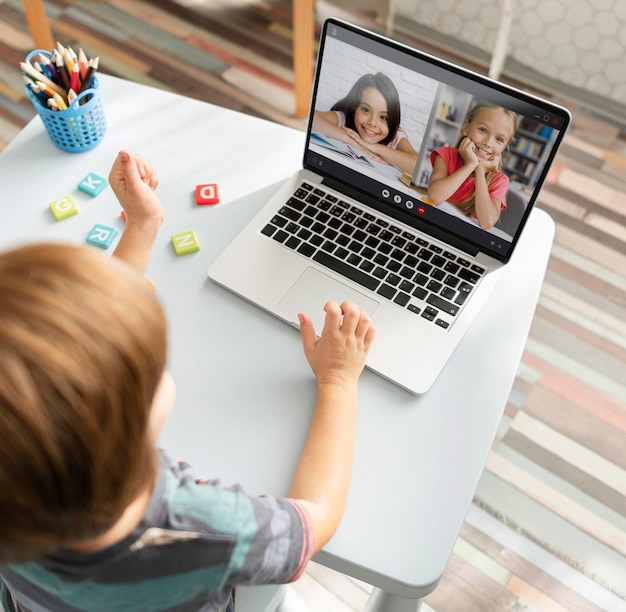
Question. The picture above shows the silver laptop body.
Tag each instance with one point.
(349, 227)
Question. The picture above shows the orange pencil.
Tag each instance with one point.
(82, 62)
(45, 88)
(93, 66)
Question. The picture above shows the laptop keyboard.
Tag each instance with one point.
(394, 263)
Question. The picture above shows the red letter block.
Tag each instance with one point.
(207, 194)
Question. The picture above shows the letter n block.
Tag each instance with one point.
(207, 194)
(185, 243)
(63, 208)
(92, 184)
(101, 236)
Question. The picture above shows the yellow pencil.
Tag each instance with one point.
(70, 58)
(60, 102)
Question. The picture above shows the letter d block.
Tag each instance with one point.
(92, 184)
(207, 194)
(185, 243)
(101, 236)
(63, 208)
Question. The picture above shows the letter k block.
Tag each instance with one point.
(92, 184)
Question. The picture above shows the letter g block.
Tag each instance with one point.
(63, 208)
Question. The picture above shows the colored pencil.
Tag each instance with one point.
(57, 79)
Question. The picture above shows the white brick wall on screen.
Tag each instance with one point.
(344, 64)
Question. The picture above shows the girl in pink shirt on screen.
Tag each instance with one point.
(470, 176)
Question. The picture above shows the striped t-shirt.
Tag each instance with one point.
(197, 540)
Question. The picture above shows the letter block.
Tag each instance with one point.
(185, 243)
(93, 184)
(101, 236)
(63, 208)
(207, 194)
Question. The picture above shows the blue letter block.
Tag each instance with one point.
(101, 236)
(92, 184)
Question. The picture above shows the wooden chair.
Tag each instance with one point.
(303, 44)
(303, 29)
(38, 24)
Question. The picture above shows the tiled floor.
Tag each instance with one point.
(547, 530)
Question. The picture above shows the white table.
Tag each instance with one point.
(245, 392)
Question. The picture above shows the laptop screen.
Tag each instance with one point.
(434, 145)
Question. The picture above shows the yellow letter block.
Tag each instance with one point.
(185, 243)
(63, 208)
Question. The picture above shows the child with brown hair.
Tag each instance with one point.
(368, 118)
(94, 517)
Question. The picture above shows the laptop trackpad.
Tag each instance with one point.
(312, 290)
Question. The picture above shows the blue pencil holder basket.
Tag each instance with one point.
(78, 128)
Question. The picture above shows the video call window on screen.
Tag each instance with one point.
(426, 106)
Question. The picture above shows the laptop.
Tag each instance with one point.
(351, 225)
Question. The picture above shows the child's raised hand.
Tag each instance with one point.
(338, 356)
(133, 181)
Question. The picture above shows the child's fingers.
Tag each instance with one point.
(146, 172)
(307, 332)
(370, 333)
(130, 169)
(333, 317)
(365, 328)
(351, 316)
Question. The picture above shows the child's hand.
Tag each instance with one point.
(351, 134)
(467, 149)
(338, 357)
(356, 141)
(491, 165)
(133, 182)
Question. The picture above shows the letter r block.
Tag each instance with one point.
(92, 184)
(63, 208)
(185, 243)
(101, 236)
(207, 194)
